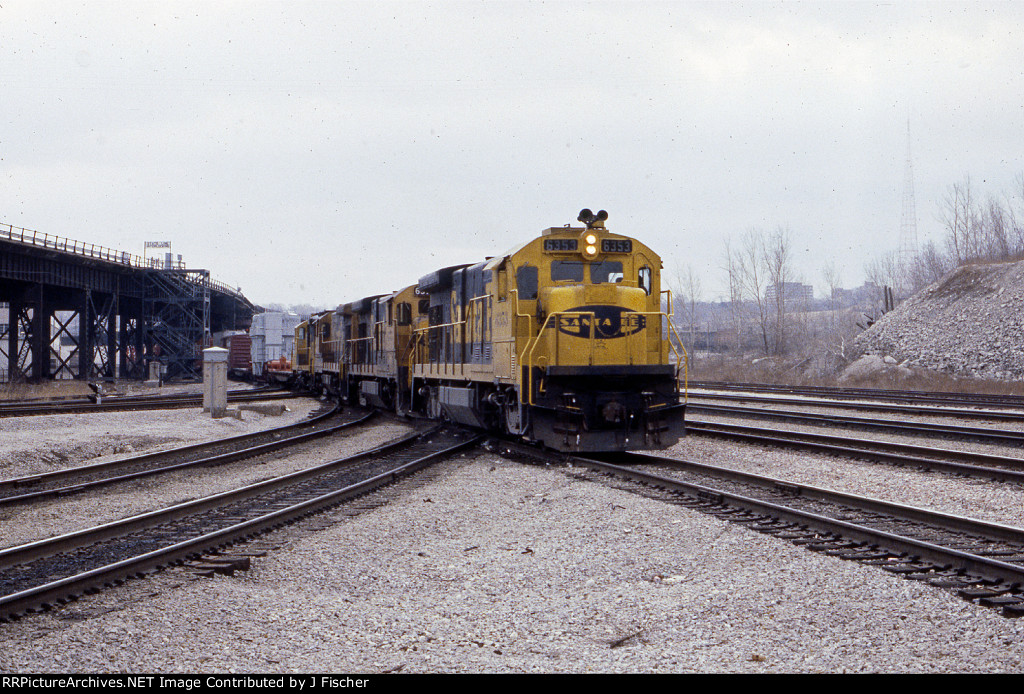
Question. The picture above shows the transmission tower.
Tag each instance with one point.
(908, 224)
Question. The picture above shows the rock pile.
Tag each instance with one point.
(969, 324)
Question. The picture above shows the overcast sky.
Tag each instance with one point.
(319, 152)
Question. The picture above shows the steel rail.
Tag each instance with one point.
(81, 538)
(145, 402)
(10, 487)
(869, 393)
(928, 428)
(931, 411)
(982, 567)
(117, 396)
(898, 453)
(66, 588)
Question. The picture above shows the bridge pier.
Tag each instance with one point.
(132, 342)
(28, 333)
(57, 332)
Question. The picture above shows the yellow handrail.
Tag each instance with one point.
(534, 341)
(515, 331)
(685, 360)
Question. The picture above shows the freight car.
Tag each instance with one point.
(562, 341)
(238, 345)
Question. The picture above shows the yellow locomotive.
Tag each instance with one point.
(317, 354)
(562, 341)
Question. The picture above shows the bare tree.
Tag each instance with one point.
(686, 295)
(959, 217)
(1016, 214)
(778, 262)
(930, 266)
(833, 281)
(996, 233)
(753, 279)
(884, 271)
(691, 295)
(761, 275)
(732, 269)
(993, 231)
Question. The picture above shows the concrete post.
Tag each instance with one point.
(215, 381)
(154, 374)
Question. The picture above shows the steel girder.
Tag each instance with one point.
(177, 314)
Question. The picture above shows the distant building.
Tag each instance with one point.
(792, 292)
(862, 296)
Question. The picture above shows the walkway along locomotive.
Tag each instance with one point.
(562, 341)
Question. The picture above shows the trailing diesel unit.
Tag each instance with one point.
(377, 334)
(317, 354)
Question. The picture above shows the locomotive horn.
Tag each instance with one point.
(592, 220)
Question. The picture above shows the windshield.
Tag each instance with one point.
(573, 271)
(608, 271)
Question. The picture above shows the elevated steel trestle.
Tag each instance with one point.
(73, 310)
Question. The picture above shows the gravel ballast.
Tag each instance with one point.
(967, 324)
(490, 565)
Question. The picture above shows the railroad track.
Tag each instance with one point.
(41, 574)
(77, 479)
(877, 394)
(135, 402)
(980, 561)
(966, 463)
(1006, 437)
(1012, 413)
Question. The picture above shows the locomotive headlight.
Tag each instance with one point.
(589, 245)
(591, 239)
(591, 250)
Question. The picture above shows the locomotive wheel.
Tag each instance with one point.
(514, 424)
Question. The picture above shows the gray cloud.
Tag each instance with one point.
(315, 152)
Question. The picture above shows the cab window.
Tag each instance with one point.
(566, 270)
(404, 313)
(502, 285)
(607, 271)
(644, 279)
(526, 282)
